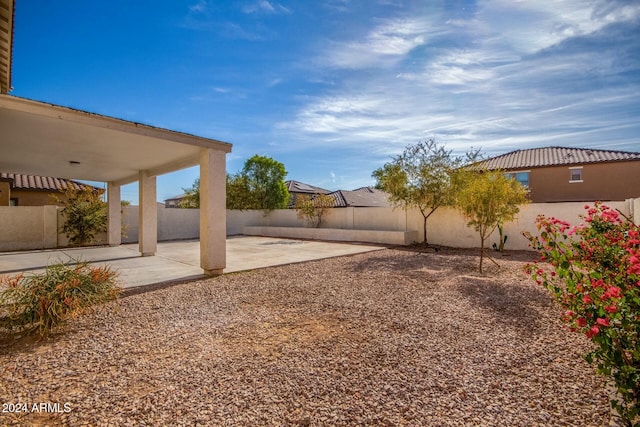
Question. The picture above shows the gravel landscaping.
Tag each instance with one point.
(392, 337)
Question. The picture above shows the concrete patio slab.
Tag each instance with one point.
(180, 260)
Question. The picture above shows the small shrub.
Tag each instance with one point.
(313, 209)
(45, 300)
(85, 215)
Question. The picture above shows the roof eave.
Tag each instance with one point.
(7, 14)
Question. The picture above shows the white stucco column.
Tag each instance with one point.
(148, 215)
(114, 228)
(213, 212)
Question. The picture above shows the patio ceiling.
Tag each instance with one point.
(43, 139)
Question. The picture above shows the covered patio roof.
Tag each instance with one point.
(50, 140)
(38, 138)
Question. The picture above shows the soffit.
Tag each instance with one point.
(43, 139)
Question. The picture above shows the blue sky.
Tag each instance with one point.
(333, 88)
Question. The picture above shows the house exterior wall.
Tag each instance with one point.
(33, 197)
(600, 181)
(5, 190)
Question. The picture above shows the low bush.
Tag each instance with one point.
(45, 300)
(595, 276)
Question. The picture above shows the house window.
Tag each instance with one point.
(522, 177)
(575, 174)
(13, 202)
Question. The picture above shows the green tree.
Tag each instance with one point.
(487, 200)
(264, 179)
(191, 197)
(237, 192)
(425, 176)
(313, 209)
(85, 215)
(259, 185)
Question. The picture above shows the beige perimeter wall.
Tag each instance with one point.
(38, 227)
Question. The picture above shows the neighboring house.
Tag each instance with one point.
(32, 190)
(363, 197)
(360, 197)
(561, 174)
(174, 202)
(297, 188)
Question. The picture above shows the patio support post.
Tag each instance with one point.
(213, 212)
(148, 215)
(114, 228)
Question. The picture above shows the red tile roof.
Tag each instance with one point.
(45, 183)
(555, 156)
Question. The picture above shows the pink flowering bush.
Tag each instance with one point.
(593, 270)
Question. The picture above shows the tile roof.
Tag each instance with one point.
(360, 197)
(178, 197)
(555, 156)
(367, 197)
(46, 183)
(301, 187)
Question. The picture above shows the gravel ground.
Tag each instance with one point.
(392, 337)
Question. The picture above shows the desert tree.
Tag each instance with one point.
(425, 176)
(489, 199)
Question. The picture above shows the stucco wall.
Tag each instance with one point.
(173, 224)
(601, 181)
(38, 227)
(445, 227)
(28, 227)
(33, 197)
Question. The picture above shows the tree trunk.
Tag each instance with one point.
(481, 251)
(424, 229)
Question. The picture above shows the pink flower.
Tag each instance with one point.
(612, 292)
(593, 331)
(611, 308)
(587, 299)
(603, 322)
(581, 321)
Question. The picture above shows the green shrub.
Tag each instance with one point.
(85, 215)
(595, 276)
(45, 300)
(313, 209)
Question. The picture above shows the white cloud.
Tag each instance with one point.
(479, 83)
(387, 43)
(535, 25)
(199, 7)
(265, 6)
